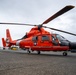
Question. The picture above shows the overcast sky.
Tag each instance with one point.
(35, 12)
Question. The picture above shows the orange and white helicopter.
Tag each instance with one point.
(38, 39)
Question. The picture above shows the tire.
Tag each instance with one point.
(64, 53)
(38, 52)
(3, 48)
(28, 52)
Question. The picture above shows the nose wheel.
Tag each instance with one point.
(64, 53)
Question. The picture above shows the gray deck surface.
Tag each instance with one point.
(47, 63)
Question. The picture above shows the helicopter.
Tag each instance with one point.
(38, 39)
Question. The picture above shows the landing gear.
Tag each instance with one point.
(3, 48)
(64, 53)
(28, 51)
(38, 52)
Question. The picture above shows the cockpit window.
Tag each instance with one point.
(45, 38)
(53, 38)
(60, 37)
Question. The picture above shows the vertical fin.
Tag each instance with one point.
(3, 42)
(8, 36)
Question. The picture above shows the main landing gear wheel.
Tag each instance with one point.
(38, 52)
(28, 52)
(3, 48)
(64, 53)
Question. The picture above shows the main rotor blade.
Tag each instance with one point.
(62, 11)
(59, 30)
(17, 24)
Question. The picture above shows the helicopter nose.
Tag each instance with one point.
(73, 45)
(18, 42)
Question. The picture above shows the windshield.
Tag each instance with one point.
(60, 37)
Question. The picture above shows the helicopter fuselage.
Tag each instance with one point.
(44, 42)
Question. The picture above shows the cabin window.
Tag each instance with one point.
(45, 38)
(35, 38)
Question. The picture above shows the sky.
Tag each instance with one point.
(36, 12)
